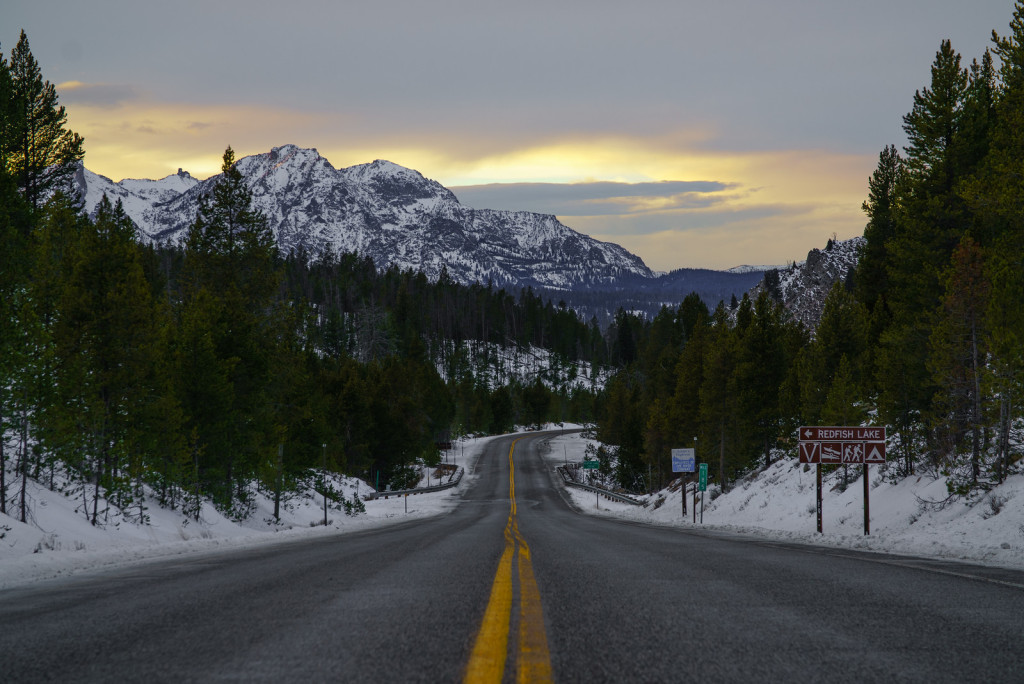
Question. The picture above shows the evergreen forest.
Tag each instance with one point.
(214, 368)
(926, 336)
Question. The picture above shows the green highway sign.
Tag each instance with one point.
(702, 484)
(591, 465)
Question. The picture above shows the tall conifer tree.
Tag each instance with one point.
(45, 154)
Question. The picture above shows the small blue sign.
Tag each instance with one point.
(684, 461)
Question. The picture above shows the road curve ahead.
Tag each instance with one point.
(515, 585)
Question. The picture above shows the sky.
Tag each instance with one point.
(693, 133)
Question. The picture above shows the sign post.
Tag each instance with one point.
(867, 507)
(593, 465)
(323, 476)
(849, 444)
(818, 495)
(703, 485)
(683, 461)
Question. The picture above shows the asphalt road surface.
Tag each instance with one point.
(515, 585)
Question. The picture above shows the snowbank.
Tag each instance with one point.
(778, 503)
(911, 516)
(58, 539)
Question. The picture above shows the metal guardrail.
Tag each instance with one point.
(615, 496)
(419, 490)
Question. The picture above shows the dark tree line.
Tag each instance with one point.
(926, 338)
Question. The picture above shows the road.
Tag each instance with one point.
(516, 585)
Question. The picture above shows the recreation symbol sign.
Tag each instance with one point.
(842, 444)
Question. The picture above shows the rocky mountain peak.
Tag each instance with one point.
(802, 287)
(385, 211)
(398, 182)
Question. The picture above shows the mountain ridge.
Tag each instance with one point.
(803, 286)
(398, 217)
(388, 212)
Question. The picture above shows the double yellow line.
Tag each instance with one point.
(533, 660)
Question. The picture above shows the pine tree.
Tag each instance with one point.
(231, 279)
(106, 338)
(996, 194)
(881, 209)
(206, 395)
(718, 397)
(45, 154)
(841, 333)
(934, 124)
(9, 138)
(932, 217)
(760, 370)
(932, 213)
(53, 244)
(958, 351)
(13, 274)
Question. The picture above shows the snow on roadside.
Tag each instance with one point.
(910, 516)
(58, 540)
(777, 503)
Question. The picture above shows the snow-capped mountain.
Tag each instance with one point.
(137, 196)
(802, 287)
(387, 212)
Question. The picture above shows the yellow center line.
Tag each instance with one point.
(487, 663)
(490, 651)
(534, 662)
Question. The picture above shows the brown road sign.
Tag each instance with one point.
(831, 452)
(839, 444)
(853, 452)
(874, 452)
(842, 434)
(810, 452)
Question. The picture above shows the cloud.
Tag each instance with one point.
(105, 95)
(746, 206)
(591, 198)
(144, 139)
(726, 236)
(723, 217)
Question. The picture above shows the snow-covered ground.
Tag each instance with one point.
(777, 503)
(907, 517)
(59, 540)
(498, 365)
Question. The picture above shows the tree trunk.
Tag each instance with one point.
(976, 408)
(1005, 407)
(3, 465)
(195, 466)
(721, 452)
(908, 456)
(24, 466)
(96, 492)
(277, 483)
